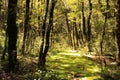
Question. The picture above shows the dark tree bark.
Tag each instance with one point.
(12, 34)
(47, 38)
(76, 34)
(89, 26)
(40, 62)
(118, 30)
(83, 20)
(26, 25)
(73, 35)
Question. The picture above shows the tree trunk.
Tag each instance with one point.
(49, 30)
(118, 31)
(40, 62)
(104, 28)
(89, 26)
(69, 31)
(76, 33)
(26, 25)
(47, 38)
(73, 36)
(12, 34)
(83, 20)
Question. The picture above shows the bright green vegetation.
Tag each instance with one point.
(59, 39)
(64, 65)
(71, 64)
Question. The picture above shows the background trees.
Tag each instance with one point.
(40, 28)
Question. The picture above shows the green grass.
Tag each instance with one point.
(72, 64)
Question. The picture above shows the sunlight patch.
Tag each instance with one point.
(71, 54)
(66, 65)
(88, 78)
(93, 70)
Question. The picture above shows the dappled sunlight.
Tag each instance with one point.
(59, 40)
(71, 54)
(87, 78)
(73, 63)
(91, 78)
(65, 65)
(94, 69)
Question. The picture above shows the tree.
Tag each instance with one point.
(89, 26)
(40, 62)
(26, 25)
(118, 30)
(75, 34)
(68, 29)
(44, 48)
(12, 34)
(104, 27)
(83, 20)
(67, 21)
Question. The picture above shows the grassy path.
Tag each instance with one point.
(71, 64)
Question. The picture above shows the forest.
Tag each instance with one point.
(59, 39)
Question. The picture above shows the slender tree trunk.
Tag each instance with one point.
(47, 38)
(53, 2)
(118, 31)
(76, 33)
(12, 34)
(83, 20)
(89, 26)
(73, 35)
(69, 30)
(26, 25)
(103, 35)
(80, 34)
(104, 28)
(40, 62)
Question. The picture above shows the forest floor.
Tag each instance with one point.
(74, 66)
(63, 65)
